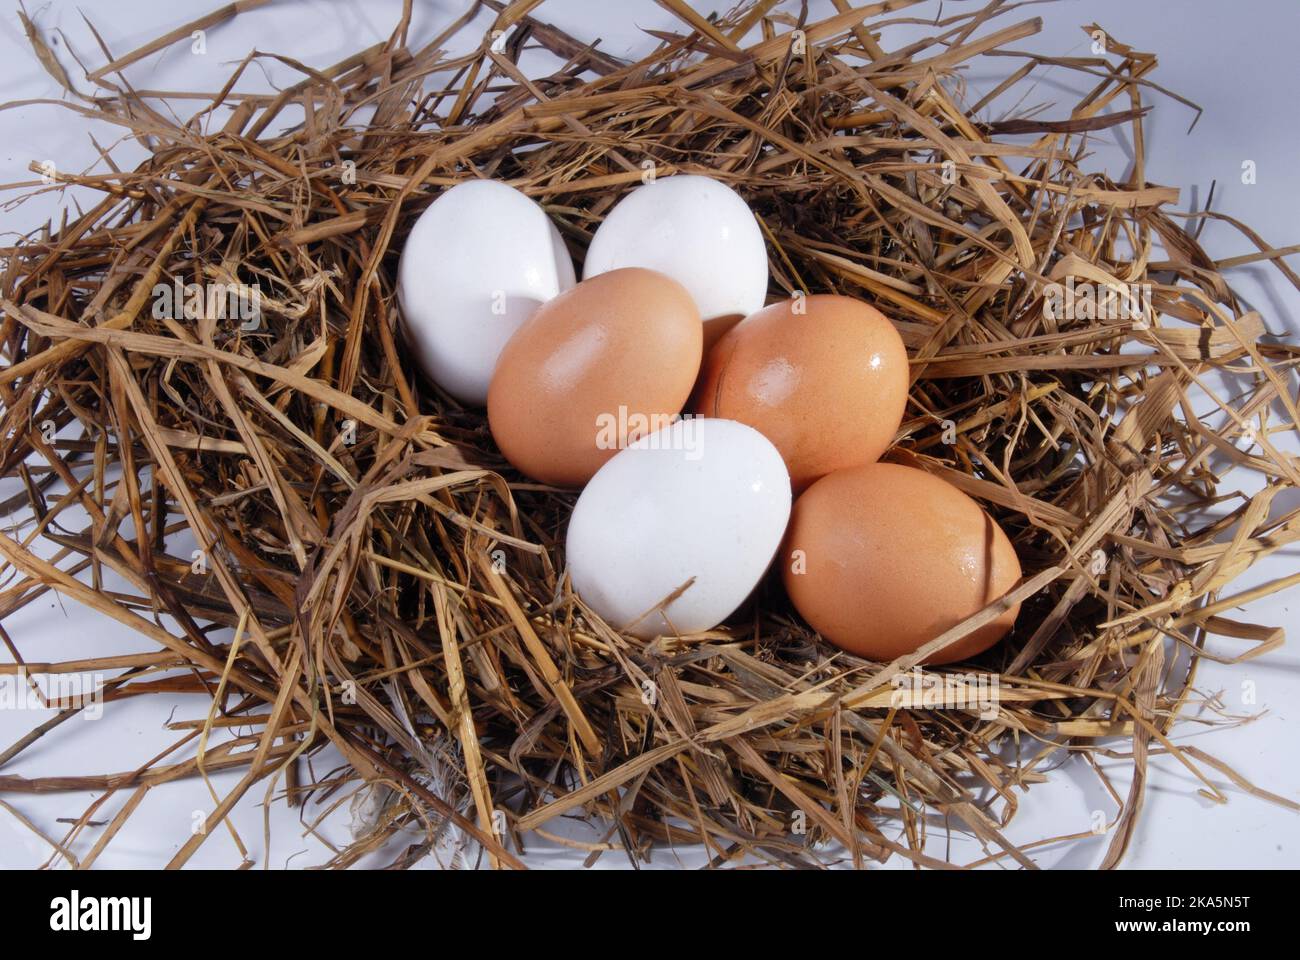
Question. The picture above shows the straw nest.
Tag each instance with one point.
(374, 577)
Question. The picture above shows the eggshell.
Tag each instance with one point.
(702, 499)
(698, 231)
(478, 263)
(828, 386)
(891, 557)
(598, 366)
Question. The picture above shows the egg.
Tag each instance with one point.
(698, 231)
(823, 377)
(691, 514)
(881, 559)
(478, 262)
(608, 361)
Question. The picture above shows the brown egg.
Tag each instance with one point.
(603, 363)
(827, 386)
(892, 557)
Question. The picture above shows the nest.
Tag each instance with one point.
(330, 552)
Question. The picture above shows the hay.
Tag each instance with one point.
(375, 577)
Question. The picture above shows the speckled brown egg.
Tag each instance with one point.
(603, 363)
(827, 385)
(883, 558)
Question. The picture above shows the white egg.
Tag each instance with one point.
(696, 230)
(704, 499)
(478, 263)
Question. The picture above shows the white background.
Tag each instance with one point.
(1237, 60)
